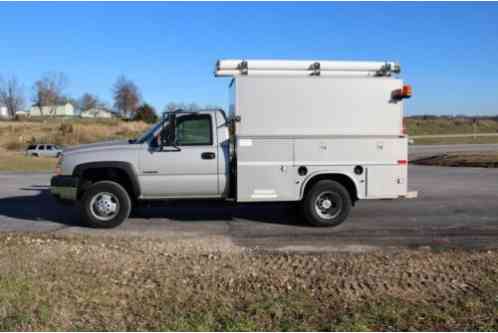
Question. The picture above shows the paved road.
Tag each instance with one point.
(456, 207)
(420, 151)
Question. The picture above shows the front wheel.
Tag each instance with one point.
(326, 204)
(105, 204)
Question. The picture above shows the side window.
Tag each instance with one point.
(41, 147)
(194, 130)
(31, 147)
(49, 147)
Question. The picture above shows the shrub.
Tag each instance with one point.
(66, 128)
(146, 113)
(14, 145)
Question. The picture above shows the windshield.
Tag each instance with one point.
(151, 132)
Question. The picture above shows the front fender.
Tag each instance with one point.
(126, 167)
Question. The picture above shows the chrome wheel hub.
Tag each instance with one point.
(104, 206)
(328, 205)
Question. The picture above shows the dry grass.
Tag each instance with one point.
(476, 160)
(17, 135)
(456, 140)
(17, 162)
(49, 283)
(431, 126)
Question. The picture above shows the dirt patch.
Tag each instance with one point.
(473, 160)
(78, 283)
(456, 140)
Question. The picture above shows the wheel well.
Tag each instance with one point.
(342, 179)
(93, 175)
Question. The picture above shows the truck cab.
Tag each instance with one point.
(186, 155)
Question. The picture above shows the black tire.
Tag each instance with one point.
(34, 154)
(334, 193)
(58, 155)
(120, 198)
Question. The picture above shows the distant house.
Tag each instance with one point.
(22, 113)
(97, 113)
(4, 112)
(66, 110)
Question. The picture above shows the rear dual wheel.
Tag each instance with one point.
(326, 204)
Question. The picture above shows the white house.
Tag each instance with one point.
(66, 110)
(96, 113)
(4, 112)
(22, 113)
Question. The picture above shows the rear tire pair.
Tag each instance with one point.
(327, 204)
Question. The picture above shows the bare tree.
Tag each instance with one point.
(193, 107)
(88, 101)
(213, 107)
(11, 95)
(48, 92)
(126, 97)
(172, 106)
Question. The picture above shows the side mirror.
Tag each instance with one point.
(168, 133)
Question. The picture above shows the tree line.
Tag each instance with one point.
(49, 92)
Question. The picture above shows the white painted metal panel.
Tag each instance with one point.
(264, 170)
(317, 106)
(386, 181)
(355, 150)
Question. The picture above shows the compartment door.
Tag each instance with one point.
(386, 181)
(265, 170)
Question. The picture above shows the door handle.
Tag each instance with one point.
(208, 156)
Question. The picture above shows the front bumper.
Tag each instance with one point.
(64, 187)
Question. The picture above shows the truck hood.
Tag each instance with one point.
(97, 146)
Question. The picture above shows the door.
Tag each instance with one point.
(188, 170)
(41, 150)
(50, 151)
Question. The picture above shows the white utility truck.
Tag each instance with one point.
(323, 134)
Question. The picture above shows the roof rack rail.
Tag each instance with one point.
(239, 67)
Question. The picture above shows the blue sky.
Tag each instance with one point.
(448, 52)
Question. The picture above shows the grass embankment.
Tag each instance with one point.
(457, 140)
(51, 283)
(16, 136)
(451, 125)
(446, 125)
(475, 160)
(17, 162)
